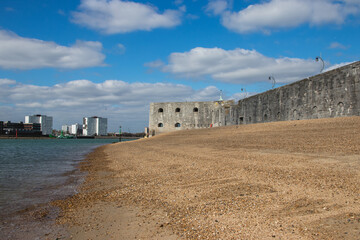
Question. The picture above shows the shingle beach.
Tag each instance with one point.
(283, 180)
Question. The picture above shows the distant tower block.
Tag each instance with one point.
(46, 122)
(94, 126)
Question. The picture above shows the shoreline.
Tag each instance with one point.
(298, 179)
(132, 218)
(100, 137)
(37, 219)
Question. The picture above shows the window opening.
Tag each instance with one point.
(241, 120)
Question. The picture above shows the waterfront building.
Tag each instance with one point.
(76, 129)
(94, 126)
(21, 129)
(168, 116)
(66, 128)
(10, 128)
(34, 127)
(73, 129)
(46, 122)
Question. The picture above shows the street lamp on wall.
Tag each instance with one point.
(243, 90)
(322, 61)
(273, 81)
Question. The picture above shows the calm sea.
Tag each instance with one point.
(36, 171)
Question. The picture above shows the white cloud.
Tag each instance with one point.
(209, 93)
(217, 7)
(241, 95)
(26, 53)
(116, 16)
(121, 49)
(336, 66)
(336, 45)
(278, 14)
(69, 102)
(155, 64)
(238, 66)
(5, 81)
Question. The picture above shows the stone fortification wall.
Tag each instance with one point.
(334, 93)
(331, 94)
(172, 116)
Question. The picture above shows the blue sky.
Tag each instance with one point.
(111, 58)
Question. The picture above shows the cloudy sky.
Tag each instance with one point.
(111, 58)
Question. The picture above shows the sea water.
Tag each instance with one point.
(36, 171)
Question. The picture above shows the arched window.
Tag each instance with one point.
(295, 114)
(340, 109)
(160, 125)
(241, 120)
(161, 110)
(315, 112)
(196, 109)
(177, 125)
(177, 110)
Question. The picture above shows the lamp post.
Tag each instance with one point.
(243, 90)
(322, 61)
(273, 81)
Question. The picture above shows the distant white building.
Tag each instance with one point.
(94, 126)
(76, 129)
(46, 123)
(66, 128)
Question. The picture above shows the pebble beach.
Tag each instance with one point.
(283, 180)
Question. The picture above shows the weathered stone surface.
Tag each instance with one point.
(335, 93)
(332, 94)
(164, 117)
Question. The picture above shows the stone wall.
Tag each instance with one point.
(332, 94)
(172, 116)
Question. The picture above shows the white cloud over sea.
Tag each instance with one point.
(121, 102)
(278, 14)
(27, 53)
(236, 66)
(116, 16)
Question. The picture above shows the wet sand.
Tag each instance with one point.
(285, 180)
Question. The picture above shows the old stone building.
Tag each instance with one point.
(172, 116)
(334, 93)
